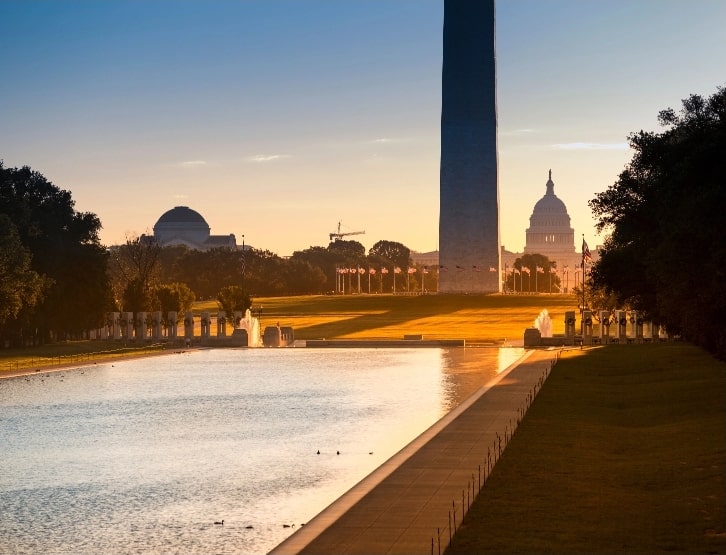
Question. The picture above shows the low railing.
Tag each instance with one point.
(76, 358)
(478, 481)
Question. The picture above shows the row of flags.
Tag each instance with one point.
(425, 270)
(586, 257)
(384, 270)
(398, 270)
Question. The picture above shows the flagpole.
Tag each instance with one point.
(243, 263)
(582, 312)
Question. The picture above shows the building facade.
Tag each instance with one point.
(183, 226)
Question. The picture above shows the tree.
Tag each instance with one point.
(323, 259)
(664, 255)
(65, 250)
(136, 265)
(539, 277)
(174, 297)
(389, 254)
(395, 253)
(19, 285)
(232, 298)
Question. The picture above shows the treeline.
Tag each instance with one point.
(57, 280)
(665, 253)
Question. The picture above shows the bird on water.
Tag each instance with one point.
(220, 522)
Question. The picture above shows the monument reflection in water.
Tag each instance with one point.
(144, 456)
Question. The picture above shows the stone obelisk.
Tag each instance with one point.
(469, 255)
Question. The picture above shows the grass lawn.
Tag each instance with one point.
(624, 451)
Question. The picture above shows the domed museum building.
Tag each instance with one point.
(183, 226)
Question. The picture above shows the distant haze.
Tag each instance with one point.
(277, 120)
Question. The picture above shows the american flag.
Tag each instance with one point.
(586, 255)
(396, 270)
(492, 269)
(384, 270)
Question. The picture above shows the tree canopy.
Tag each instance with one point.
(665, 251)
(64, 252)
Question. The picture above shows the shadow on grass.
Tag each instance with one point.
(365, 313)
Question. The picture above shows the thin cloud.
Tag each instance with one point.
(261, 158)
(516, 132)
(386, 140)
(591, 146)
(193, 164)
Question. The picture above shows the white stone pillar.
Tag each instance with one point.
(127, 322)
(604, 327)
(141, 326)
(586, 327)
(621, 320)
(221, 324)
(238, 315)
(114, 324)
(156, 325)
(189, 326)
(570, 327)
(206, 321)
(172, 324)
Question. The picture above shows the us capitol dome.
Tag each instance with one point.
(183, 226)
(549, 230)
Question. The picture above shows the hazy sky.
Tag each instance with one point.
(277, 119)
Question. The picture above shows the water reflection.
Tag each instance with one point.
(144, 456)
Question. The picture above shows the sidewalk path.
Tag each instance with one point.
(398, 508)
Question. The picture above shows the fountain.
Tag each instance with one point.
(252, 327)
(543, 323)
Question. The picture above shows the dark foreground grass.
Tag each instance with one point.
(624, 451)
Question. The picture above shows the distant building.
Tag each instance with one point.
(183, 226)
(549, 233)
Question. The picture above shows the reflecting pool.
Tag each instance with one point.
(144, 456)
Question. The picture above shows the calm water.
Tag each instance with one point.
(143, 456)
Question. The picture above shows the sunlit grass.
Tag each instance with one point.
(624, 451)
(475, 318)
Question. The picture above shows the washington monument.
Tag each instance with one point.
(469, 255)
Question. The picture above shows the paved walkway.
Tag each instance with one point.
(398, 508)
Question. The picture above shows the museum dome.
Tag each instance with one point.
(182, 225)
(181, 214)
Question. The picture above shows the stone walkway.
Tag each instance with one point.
(399, 508)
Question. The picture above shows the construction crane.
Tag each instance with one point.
(340, 235)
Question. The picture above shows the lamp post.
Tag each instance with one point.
(566, 271)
